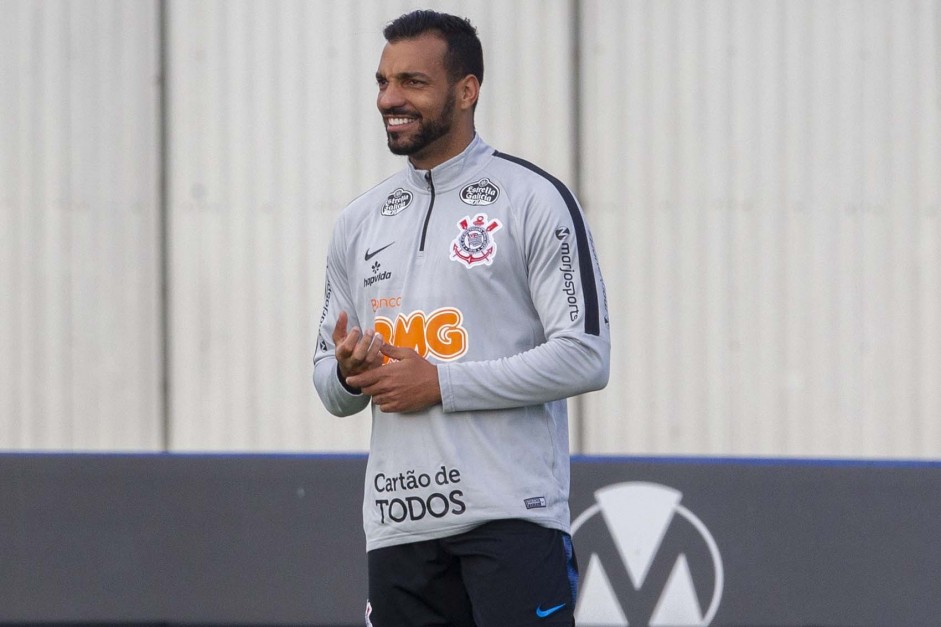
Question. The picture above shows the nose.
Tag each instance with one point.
(390, 97)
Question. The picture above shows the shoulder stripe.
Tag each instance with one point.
(586, 259)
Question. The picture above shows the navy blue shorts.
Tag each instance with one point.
(506, 573)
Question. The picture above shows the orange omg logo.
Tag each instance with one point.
(438, 333)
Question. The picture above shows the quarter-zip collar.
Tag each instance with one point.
(454, 171)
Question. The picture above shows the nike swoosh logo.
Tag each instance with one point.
(541, 613)
(370, 255)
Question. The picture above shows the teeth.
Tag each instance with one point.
(398, 121)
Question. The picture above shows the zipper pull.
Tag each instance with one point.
(431, 184)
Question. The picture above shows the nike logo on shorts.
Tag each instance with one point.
(541, 613)
(370, 255)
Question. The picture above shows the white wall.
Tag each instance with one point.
(79, 312)
(765, 179)
(761, 177)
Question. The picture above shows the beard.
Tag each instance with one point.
(429, 130)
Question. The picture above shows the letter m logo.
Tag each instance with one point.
(652, 561)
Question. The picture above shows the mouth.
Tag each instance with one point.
(398, 122)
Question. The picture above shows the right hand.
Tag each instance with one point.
(356, 352)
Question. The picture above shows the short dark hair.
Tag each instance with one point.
(464, 55)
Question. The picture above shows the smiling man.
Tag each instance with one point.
(464, 302)
(419, 107)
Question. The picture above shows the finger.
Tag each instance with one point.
(348, 345)
(365, 380)
(397, 352)
(339, 331)
(374, 354)
(361, 350)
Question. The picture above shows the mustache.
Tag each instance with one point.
(398, 111)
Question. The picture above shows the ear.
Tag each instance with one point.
(468, 91)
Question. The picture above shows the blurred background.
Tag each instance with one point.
(763, 179)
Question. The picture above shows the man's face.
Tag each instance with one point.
(415, 98)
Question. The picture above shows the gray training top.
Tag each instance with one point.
(485, 266)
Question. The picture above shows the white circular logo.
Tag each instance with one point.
(652, 561)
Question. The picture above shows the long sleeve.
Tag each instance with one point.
(338, 400)
(560, 368)
(568, 293)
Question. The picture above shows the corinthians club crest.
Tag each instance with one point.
(475, 244)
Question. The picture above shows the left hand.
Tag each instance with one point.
(408, 384)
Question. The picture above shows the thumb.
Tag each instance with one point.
(397, 352)
(339, 331)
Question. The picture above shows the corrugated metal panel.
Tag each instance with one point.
(274, 130)
(270, 111)
(763, 179)
(78, 323)
(527, 98)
